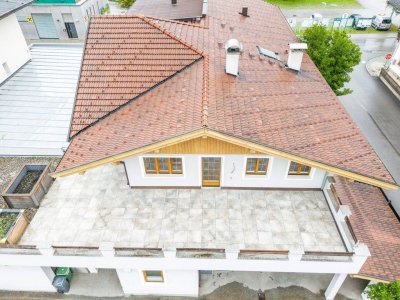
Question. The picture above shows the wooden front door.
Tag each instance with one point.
(211, 171)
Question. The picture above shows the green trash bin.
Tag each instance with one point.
(64, 271)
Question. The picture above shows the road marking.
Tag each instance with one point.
(363, 62)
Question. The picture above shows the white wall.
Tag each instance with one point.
(25, 279)
(190, 177)
(233, 173)
(13, 49)
(176, 283)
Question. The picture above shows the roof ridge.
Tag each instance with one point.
(204, 102)
(168, 33)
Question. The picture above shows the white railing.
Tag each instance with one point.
(108, 256)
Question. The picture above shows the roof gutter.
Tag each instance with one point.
(233, 140)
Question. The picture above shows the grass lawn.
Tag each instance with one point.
(298, 4)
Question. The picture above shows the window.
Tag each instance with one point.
(256, 166)
(298, 169)
(163, 165)
(153, 276)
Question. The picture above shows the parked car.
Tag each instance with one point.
(360, 22)
(381, 22)
(316, 18)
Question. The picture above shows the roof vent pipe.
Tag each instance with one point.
(296, 51)
(174, 2)
(245, 11)
(233, 48)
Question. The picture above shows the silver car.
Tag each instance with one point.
(381, 22)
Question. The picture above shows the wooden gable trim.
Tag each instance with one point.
(124, 155)
(232, 140)
(204, 145)
(365, 277)
(305, 161)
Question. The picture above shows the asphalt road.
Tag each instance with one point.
(375, 110)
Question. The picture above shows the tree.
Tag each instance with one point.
(384, 291)
(125, 3)
(334, 54)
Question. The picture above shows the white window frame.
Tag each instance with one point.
(310, 176)
(155, 283)
(256, 176)
(143, 168)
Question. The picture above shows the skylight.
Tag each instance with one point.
(268, 53)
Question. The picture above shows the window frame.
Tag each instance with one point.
(157, 171)
(256, 172)
(298, 171)
(145, 276)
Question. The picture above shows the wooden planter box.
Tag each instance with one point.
(36, 193)
(17, 228)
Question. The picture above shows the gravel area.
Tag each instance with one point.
(9, 168)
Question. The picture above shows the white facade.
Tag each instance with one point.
(233, 173)
(176, 283)
(78, 13)
(395, 61)
(14, 52)
(182, 282)
(29, 278)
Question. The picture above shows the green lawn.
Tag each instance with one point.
(296, 4)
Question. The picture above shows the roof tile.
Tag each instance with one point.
(374, 224)
(127, 56)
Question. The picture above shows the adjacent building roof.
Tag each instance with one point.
(374, 224)
(182, 10)
(36, 103)
(267, 104)
(8, 7)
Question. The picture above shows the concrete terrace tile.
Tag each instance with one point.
(111, 211)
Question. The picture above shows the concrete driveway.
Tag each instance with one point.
(234, 285)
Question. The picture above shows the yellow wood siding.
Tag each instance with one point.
(204, 146)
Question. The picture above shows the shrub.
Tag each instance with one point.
(384, 291)
(125, 3)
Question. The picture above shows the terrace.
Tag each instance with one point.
(99, 207)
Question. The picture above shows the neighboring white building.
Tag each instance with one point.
(390, 73)
(14, 52)
(59, 19)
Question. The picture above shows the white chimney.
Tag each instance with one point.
(296, 51)
(233, 48)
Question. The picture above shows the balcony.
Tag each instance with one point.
(98, 207)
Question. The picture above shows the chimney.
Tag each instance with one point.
(233, 48)
(245, 11)
(296, 51)
(174, 2)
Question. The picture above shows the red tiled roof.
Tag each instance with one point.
(124, 57)
(184, 9)
(374, 224)
(267, 104)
